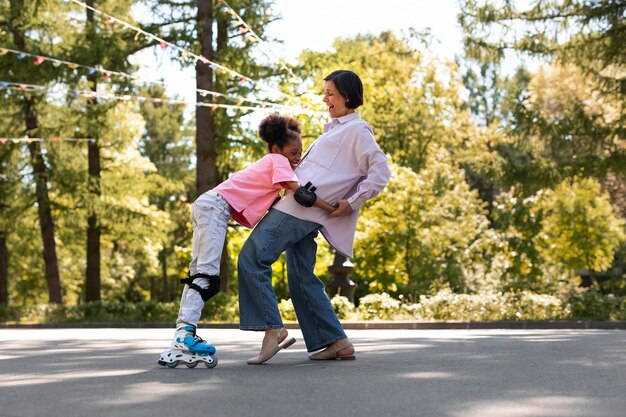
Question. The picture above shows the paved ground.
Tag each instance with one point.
(430, 373)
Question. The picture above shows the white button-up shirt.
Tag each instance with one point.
(345, 162)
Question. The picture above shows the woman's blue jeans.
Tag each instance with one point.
(258, 309)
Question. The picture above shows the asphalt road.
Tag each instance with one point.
(430, 373)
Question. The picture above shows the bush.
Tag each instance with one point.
(223, 307)
(591, 305)
(521, 305)
(443, 306)
(342, 306)
(525, 305)
(286, 310)
(378, 306)
(446, 305)
(8, 314)
(620, 312)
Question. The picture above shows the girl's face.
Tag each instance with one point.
(336, 102)
(292, 151)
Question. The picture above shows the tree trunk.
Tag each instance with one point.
(4, 249)
(222, 40)
(92, 275)
(45, 213)
(207, 176)
(206, 169)
(46, 222)
(165, 286)
(4, 269)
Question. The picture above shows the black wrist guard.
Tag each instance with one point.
(305, 196)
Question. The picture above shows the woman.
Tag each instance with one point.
(348, 168)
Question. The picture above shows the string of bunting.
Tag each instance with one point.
(185, 54)
(246, 30)
(127, 97)
(40, 59)
(27, 139)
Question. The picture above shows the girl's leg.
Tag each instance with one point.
(209, 216)
(316, 316)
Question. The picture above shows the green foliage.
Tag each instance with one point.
(95, 311)
(420, 232)
(495, 197)
(342, 306)
(580, 228)
(221, 308)
(378, 306)
(523, 305)
(518, 223)
(592, 305)
(442, 306)
(287, 312)
(588, 33)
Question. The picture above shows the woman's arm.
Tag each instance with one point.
(293, 186)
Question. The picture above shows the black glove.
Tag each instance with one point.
(305, 196)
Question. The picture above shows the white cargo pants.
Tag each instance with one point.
(209, 217)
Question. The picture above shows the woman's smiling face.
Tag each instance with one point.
(336, 102)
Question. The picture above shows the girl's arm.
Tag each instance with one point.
(293, 186)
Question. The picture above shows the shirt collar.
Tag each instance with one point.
(341, 120)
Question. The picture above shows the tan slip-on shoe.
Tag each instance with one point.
(341, 349)
(272, 343)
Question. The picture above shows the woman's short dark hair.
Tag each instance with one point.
(349, 86)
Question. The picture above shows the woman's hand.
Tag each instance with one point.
(343, 209)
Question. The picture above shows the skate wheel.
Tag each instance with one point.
(191, 364)
(172, 364)
(212, 364)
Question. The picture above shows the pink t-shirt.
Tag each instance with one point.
(251, 191)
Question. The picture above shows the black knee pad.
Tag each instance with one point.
(205, 293)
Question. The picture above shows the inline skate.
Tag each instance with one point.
(188, 348)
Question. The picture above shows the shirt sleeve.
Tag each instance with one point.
(281, 170)
(373, 164)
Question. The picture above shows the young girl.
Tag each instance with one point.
(245, 196)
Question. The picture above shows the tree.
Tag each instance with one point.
(9, 192)
(29, 29)
(553, 110)
(586, 33)
(97, 45)
(580, 228)
(167, 143)
(416, 236)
